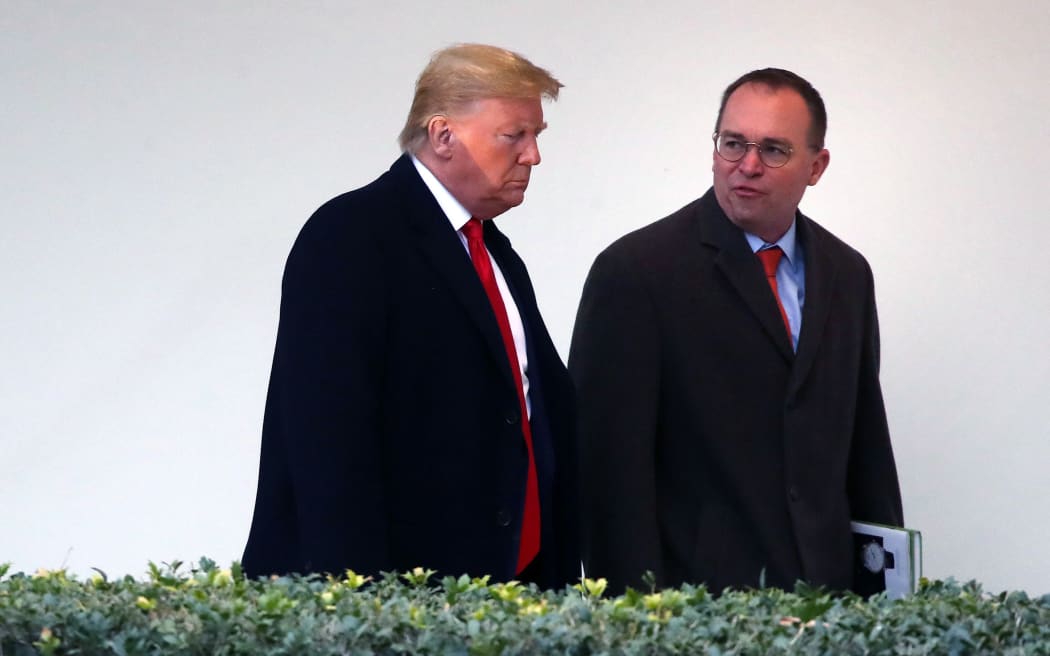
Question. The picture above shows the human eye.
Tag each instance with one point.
(775, 149)
(732, 145)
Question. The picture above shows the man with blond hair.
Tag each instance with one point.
(418, 413)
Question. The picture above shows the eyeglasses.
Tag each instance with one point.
(732, 149)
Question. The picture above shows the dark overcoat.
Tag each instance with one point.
(392, 434)
(710, 451)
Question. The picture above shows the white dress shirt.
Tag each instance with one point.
(458, 216)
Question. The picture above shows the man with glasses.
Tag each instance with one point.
(726, 360)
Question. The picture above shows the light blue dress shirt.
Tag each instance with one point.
(791, 277)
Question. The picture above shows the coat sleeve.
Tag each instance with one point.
(327, 389)
(874, 490)
(615, 362)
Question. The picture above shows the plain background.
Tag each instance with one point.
(158, 159)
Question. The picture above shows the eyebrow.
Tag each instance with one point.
(525, 127)
(764, 140)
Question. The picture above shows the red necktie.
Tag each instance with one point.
(530, 525)
(770, 258)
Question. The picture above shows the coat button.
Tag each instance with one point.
(511, 417)
(793, 493)
(502, 518)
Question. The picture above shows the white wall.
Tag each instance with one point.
(159, 158)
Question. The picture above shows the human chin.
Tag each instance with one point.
(744, 215)
(513, 197)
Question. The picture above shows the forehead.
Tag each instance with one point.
(524, 112)
(760, 112)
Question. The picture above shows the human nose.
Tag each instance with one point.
(530, 156)
(751, 163)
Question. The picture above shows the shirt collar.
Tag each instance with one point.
(787, 243)
(454, 211)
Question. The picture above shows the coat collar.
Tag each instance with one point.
(440, 245)
(737, 262)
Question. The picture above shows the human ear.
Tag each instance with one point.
(440, 136)
(820, 164)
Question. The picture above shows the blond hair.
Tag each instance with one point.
(464, 73)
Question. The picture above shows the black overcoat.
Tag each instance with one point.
(710, 451)
(392, 434)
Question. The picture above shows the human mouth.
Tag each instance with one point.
(747, 192)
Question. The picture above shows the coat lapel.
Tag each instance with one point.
(743, 271)
(440, 244)
(820, 281)
(517, 278)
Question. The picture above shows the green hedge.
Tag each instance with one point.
(213, 611)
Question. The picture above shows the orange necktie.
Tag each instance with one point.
(770, 258)
(530, 524)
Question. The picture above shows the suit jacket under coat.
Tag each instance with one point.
(710, 452)
(392, 434)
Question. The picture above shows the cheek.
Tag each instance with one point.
(503, 167)
(496, 162)
(722, 167)
(721, 171)
(792, 183)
